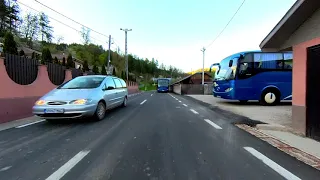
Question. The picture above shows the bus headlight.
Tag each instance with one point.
(228, 90)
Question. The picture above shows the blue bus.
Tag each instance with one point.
(254, 75)
(163, 85)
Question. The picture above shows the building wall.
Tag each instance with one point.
(299, 84)
(309, 30)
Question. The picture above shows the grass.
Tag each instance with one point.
(147, 87)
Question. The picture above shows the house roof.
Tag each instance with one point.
(290, 22)
(190, 76)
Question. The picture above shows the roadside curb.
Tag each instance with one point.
(305, 157)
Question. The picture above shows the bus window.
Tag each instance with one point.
(268, 60)
(288, 58)
(245, 70)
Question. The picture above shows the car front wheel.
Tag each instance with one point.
(100, 111)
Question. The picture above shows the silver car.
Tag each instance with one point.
(83, 96)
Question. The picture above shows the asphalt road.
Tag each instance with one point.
(156, 137)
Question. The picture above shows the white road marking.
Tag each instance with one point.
(180, 101)
(5, 168)
(68, 166)
(143, 102)
(283, 172)
(151, 94)
(21, 126)
(195, 112)
(213, 124)
(185, 105)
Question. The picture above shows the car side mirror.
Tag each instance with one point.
(108, 88)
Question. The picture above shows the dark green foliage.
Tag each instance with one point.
(56, 61)
(9, 45)
(103, 70)
(46, 56)
(21, 53)
(85, 66)
(63, 61)
(70, 63)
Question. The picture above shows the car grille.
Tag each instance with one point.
(57, 103)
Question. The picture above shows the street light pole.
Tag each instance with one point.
(126, 51)
(203, 50)
(109, 54)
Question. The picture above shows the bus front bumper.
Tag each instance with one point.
(223, 95)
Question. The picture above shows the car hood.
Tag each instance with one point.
(69, 94)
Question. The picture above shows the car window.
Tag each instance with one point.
(83, 82)
(123, 83)
(110, 83)
(118, 83)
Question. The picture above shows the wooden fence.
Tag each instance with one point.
(56, 73)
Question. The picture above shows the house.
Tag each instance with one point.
(192, 84)
(299, 31)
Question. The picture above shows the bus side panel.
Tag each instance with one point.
(244, 89)
(280, 80)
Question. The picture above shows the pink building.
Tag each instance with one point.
(299, 31)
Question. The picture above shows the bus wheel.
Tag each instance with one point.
(270, 97)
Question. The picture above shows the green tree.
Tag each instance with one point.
(46, 56)
(85, 66)
(114, 71)
(95, 69)
(33, 56)
(70, 63)
(103, 70)
(63, 61)
(123, 76)
(45, 29)
(56, 61)
(9, 45)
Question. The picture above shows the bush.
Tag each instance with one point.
(21, 53)
(46, 56)
(63, 61)
(70, 63)
(103, 70)
(85, 66)
(56, 61)
(9, 45)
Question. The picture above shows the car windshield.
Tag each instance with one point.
(163, 82)
(83, 82)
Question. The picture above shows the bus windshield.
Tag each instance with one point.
(163, 82)
(225, 72)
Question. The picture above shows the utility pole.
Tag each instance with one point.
(126, 51)
(109, 53)
(203, 50)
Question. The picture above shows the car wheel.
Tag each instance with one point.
(100, 111)
(125, 101)
(270, 97)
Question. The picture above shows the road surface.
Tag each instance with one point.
(156, 137)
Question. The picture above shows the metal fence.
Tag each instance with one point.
(56, 73)
(21, 70)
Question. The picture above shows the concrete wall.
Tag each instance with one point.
(309, 30)
(16, 100)
(177, 88)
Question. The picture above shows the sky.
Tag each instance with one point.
(171, 31)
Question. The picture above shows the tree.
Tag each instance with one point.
(85, 34)
(30, 28)
(85, 66)
(114, 71)
(103, 70)
(21, 53)
(33, 56)
(45, 29)
(123, 75)
(9, 45)
(70, 63)
(56, 61)
(63, 61)
(9, 16)
(95, 69)
(46, 56)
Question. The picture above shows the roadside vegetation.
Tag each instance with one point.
(33, 31)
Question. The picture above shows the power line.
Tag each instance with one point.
(72, 19)
(58, 21)
(227, 23)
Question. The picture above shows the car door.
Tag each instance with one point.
(109, 90)
(125, 89)
(119, 91)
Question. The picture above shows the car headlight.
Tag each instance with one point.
(80, 101)
(40, 102)
(228, 90)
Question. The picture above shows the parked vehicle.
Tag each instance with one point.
(163, 85)
(254, 75)
(83, 96)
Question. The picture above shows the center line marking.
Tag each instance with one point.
(213, 124)
(179, 101)
(283, 172)
(68, 166)
(151, 94)
(185, 105)
(21, 126)
(195, 112)
(143, 102)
